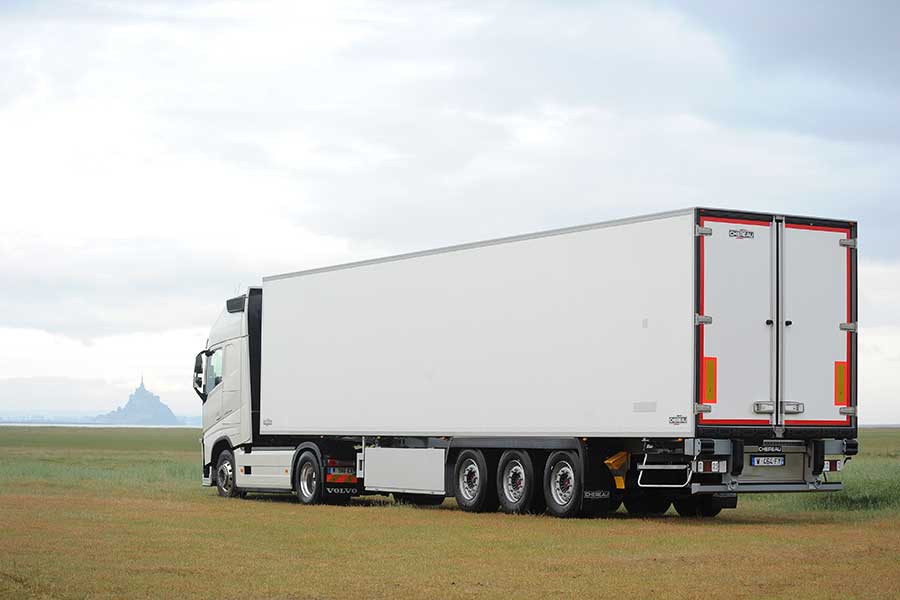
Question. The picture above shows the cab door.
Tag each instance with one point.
(818, 325)
(736, 332)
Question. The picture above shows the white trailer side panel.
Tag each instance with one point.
(584, 333)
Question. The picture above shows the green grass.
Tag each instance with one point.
(119, 513)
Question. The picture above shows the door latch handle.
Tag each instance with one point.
(793, 408)
(770, 322)
(788, 323)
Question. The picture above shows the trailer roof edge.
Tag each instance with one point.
(484, 243)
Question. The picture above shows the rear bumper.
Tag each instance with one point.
(759, 488)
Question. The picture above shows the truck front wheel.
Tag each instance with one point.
(225, 479)
(307, 479)
(473, 482)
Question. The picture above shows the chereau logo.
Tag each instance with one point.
(741, 234)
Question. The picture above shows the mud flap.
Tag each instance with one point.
(599, 486)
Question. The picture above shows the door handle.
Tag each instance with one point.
(769, 322)
(793, 408)
(788, 323)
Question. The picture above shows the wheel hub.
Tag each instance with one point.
(225, 477)
(563, 481)
(308, 480)
(469, 479)
(514, 481)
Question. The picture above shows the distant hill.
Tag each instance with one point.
(143, 408)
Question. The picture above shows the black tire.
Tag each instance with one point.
(308, 479)
(472, 482)
(562, 484)
(518, 490)
(226, 475)
(647, 505)
(694, 506)
(418, 499)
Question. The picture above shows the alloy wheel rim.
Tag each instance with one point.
(469, 479)
(562, 485)
(514, 481)
(225, 477)
(308, 480)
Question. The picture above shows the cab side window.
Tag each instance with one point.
(213, 370)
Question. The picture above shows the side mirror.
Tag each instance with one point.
(198, 372)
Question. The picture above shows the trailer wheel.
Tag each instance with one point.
(517, 488)
(562, 484)
(694, 506)
(307, 479)
(418, 499)
(472, 482)
(225, 475)
(647, 505)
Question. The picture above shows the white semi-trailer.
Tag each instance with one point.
(683, 357)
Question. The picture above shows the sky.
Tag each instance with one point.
(159, 156)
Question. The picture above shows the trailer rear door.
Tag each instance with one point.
(817, 301)
(736, 365)
(776, 322)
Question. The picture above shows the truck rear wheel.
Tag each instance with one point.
(418, 499)
(518, 490)
(225, 475)
(307, 479)
(472, 482)
(562, 484)
(696, 506)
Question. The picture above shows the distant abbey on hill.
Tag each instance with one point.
(143, 408)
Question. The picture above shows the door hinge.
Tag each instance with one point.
(702, 320)
(848, 242)
(701, 231)
(764, 408)
(848, 410)
(848, 327)
(702, 408)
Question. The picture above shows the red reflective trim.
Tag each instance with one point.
(735, 221)
(818, 228)
(701, 333)
(735, 421)
(817, 422)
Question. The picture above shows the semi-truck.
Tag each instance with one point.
(680, 358)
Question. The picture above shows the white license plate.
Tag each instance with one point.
(342, 470)
(766, 461)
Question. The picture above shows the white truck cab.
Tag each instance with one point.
(220, 374)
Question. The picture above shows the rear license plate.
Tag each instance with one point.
(767, 461)
(342, 470)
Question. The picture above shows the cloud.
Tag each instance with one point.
(159, 155)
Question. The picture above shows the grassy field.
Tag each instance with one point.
(96, 513)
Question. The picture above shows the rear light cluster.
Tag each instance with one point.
(832, 464)
(710, 466)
